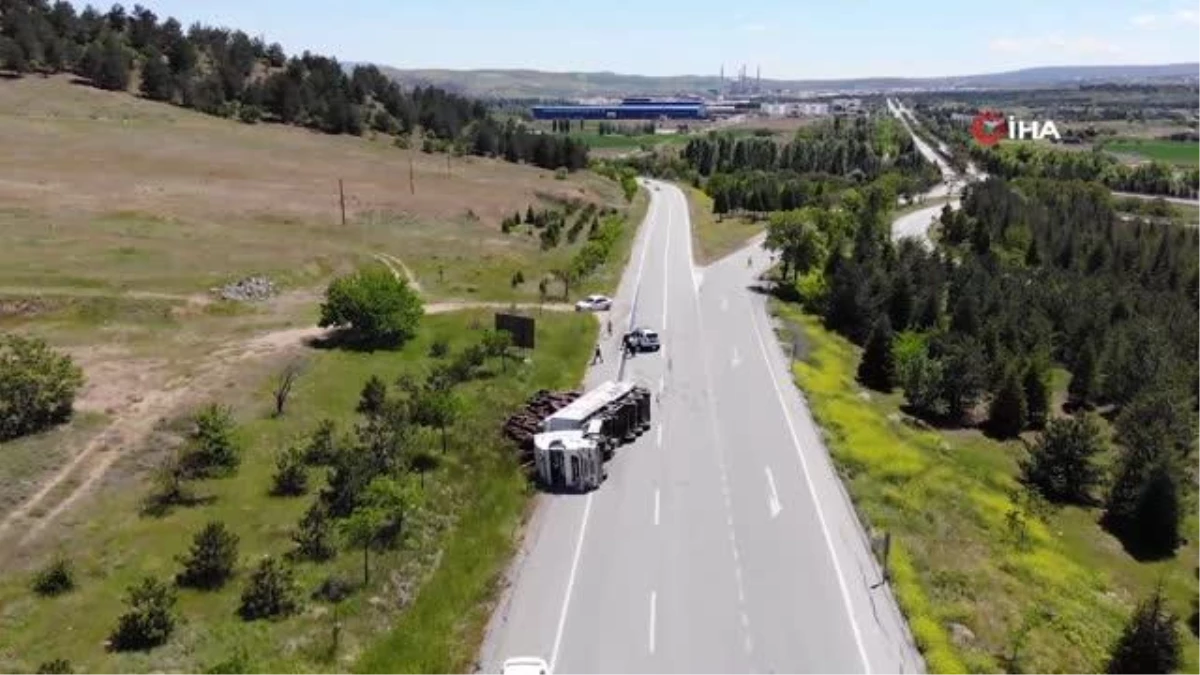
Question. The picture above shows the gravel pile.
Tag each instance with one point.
(250, 289)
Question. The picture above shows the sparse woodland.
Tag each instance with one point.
(227, 73)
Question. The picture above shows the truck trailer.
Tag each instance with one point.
(577, 440)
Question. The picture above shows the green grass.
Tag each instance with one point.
(1174, 152)
(434, 591)
(715, 239)
(945, 497)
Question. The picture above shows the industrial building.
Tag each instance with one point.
(627, 109)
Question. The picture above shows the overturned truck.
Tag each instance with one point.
(576, 440)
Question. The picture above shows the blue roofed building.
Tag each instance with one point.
(628, 109)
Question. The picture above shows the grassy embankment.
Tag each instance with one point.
(1050, 595)
(714, 238)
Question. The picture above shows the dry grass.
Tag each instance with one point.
(106, 190)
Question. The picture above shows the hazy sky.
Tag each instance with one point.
(788, 38)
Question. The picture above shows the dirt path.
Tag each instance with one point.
(135, 416)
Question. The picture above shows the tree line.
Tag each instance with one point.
(758, 174)
(225, 72)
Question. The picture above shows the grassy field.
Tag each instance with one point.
(1050, 595)
(714, 239)
(1173, 152)
(474, 504)
(106, 191)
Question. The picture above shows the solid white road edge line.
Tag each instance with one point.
(837, 567)
(653, 617)
(656, 506)
(776, 507)
(666, 269)
(562, 615)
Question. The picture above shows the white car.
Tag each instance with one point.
(525, 665)
(594, 303)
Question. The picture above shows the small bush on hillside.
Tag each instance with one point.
(560, 173)
(54, 667)
(334, 588)
(1062, 465)
(150, 619)
(37, 386)
(377, 308)
(1150, 642)
(212, 449)
(373, 397)
(238, 663)
(314, 535)
(321, 444)
(56, 578)
(291, 474)
(212, 558)
(439, 348)
(170, 488)
(270, 592)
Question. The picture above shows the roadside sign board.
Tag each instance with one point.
(520, 327)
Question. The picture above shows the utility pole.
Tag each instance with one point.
(342, 199)
(412, 186)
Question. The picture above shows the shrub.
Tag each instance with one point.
(321, 445)
(238, 663)
(373, 397)
(37, 386)
(439, 348)
(170, 488)
(560, 173)
(212, 558)
(377, 307)
(518, 278)
(314, 535)
(250, 114)
(55, 666)
(150, 619)
(212, 450)
(270, 592)
(1062, 466)
(334, 588)
(1150, 642)
(291, 475)
(56, 578)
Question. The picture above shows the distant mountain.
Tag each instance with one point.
(551, 85)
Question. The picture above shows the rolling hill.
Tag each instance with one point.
(550, 85)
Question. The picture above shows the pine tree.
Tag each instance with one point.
(1037, 396)
(1143, 507)
(314, 536)
(270, 592)
(1085, 376)
(1008, 413)
(373, 397)
(212, 558)
(157, 83)
(1062, 465)
(150, 619)
(291, 475)
(113, 69)
(877, 369)
(1150, 642)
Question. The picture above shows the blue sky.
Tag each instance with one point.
(788, 38)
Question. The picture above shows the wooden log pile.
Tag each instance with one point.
(522, 426)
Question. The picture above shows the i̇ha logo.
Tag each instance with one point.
(989, 127)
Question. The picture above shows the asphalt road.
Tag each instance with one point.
(722, 540)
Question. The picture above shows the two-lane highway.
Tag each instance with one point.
(722, 541)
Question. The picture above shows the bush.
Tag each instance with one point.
(238, 663)
(378, 308)
(1062, 466)
(37, 386)
(291, 475)
(321, 445)
(56, 578)
(314, 535)
(1150, 642)
(439, 348)
(250, 114)
(212, 449)
(560, 173)
(334, 588)
(518, 278)
(170, 488)
(212, 558)
(55, 666)
(270, 593)
(373, 397)
(150, 619)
